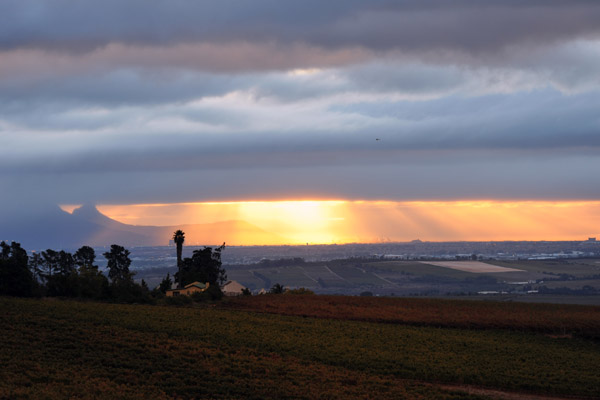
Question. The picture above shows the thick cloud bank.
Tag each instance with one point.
(173, 100)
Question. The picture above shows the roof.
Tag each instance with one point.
(199, 285)
(232, 285)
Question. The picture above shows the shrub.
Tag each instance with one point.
(277, 289)
(215, 292)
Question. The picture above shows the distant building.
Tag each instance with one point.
(232, 288)
(393, 256)
(592, 239)
(194, 287)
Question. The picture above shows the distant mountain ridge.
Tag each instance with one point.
(86, 225)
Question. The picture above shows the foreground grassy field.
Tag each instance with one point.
(62, 349)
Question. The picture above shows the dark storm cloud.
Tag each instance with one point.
(489, 176)
(465, 25)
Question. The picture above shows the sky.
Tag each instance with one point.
(179, 101)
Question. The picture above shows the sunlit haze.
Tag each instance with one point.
(338, 221)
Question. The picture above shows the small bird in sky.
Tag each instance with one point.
(377, 139)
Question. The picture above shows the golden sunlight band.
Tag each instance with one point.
(338, 221)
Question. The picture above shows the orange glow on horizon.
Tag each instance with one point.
(341, 221)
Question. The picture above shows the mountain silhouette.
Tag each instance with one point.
(55, 228)
(90, 213)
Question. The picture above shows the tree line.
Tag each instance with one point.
(62, 274)
(55, 273)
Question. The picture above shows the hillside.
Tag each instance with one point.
(61, 349)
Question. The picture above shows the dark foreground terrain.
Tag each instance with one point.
(243, 349)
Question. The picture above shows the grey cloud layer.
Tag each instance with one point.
(378, 24)
(494, 177)
(135, 101)
(542, 121)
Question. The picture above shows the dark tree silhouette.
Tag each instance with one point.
(92, 283)
(179, 238)
(277, 289)
(15, 277)
(165, 284)
(50, 261)
(36, 263)
(123, 288)
(5, 254)
(203, 266)
(118, 264)
(66, 263)
(85, 257)
(61, 275)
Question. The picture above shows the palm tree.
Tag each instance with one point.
(179, 238)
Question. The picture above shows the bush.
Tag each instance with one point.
(277, 289)
(215, 292)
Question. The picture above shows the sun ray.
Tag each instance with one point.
(341, 221)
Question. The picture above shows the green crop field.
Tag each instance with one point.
(63, 349)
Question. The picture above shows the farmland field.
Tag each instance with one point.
(62, 349)
(537, 298)
(416, 268)
(575, 267)
(419, 277)
(476, 267)
(429, 268)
